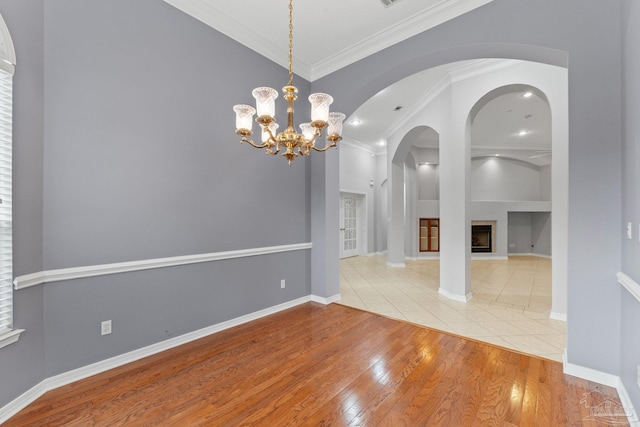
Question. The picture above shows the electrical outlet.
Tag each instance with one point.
(105, 327)
(282, 284)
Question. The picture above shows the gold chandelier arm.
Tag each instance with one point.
(271, 142)
(248, 141)
(304, 150)
(332, 144)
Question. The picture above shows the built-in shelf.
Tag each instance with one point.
(429, 234)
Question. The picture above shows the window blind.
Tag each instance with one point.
(6, 246)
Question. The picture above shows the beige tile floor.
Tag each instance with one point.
(510, 305)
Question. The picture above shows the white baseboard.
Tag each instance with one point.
(605, 379)
(558, 316)
(396, 264)
(326, 301)
(489, 257)
(65, 378)
(531, 254)
(455, 297)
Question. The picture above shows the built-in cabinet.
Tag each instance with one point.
(429, 234)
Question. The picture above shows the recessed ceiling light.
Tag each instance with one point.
(382, 143)
(528, 94)
(497, 155)
(355, 122)
(523, 132)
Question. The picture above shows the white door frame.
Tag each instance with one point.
(362, 225)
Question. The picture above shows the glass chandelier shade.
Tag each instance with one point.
(293, 143)
(265, 101)
(244, 116)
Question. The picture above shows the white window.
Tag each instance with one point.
(7, 334)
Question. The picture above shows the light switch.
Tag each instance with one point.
(629, 230)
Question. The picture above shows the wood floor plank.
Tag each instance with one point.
(321, 365)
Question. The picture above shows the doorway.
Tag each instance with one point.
(352, 225)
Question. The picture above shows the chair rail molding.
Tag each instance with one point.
(41, 277)
(629, 284)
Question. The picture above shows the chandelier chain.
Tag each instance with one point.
(290, 42)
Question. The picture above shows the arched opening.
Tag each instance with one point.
(463, 95)
(511, 157)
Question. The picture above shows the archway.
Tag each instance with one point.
(325, 188)
(511, 153)
(401, 208)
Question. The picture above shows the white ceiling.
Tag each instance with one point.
(331, 34)
(328, 34)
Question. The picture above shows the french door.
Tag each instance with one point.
(348, 226)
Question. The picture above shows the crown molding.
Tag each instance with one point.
(431, 94)
(228, 25)
(209, 14)
(360, 146)
(416, 24)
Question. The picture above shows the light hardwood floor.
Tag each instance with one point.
(316, 365)
(510, 305)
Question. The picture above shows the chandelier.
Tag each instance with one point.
(293, 143)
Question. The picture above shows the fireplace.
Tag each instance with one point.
(481, 238)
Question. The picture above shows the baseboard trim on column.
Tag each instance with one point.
(455, 297)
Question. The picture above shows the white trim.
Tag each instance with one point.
(435, 256)
(418, 23)
(69, 377)
(7, 51)
(210, 14)
(489, 257)
(455, 297)
(326, 301)
(48, 276)
(442, 11)
(396, 264)
(353, 143)
(627, 403)
(10, 337)
(558, 316)
(629, 284)
(605, 379)
(436, 89)
(530, 254)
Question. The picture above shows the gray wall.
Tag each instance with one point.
(630, 310)
(529, 232)
(553, 33)
(138, 159)
(22, 363)
(504, 179)
(519, 232)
